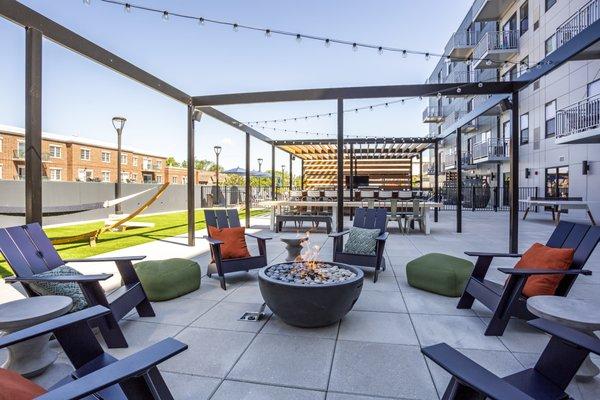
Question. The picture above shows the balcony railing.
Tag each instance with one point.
(449, 160)
(434, 114)
(494, 48)
(493, 149)
(150, 167)
(578, 118)
(20, 155)
(461, 43)
(587, 15)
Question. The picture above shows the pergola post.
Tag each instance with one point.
(273, 192)
(33, 126)
(192, 115)
(247, 181)
(436, 181)
(410, 174)
(302, 174)
(421, 172)
(458, 181)
(291, 174)
(513, 188)
(340, 165)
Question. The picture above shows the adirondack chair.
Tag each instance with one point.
(98, 375)
(369, 218)
(229, 219)
(28, 251)
(506, 300)
(548, 379)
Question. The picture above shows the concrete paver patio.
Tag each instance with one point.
(373, 353)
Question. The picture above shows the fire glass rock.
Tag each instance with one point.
(310, 294)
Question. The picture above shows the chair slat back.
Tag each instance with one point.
(560, 234)
(28, 250)
(226, 218)
(371, 218)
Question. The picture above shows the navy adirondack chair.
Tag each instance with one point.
(369, 218)
(548, 379)
(229, 218)
(28, 251)
(98, 375)
(506, 300)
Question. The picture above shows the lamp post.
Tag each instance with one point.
(260, 161)
(118, 124)
(217, 150)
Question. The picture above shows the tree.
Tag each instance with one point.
(203, 165)
(171, 162)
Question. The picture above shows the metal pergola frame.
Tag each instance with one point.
(38, 26)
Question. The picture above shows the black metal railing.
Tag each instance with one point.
(484, 198)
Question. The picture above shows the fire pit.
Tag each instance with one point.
(310, 294)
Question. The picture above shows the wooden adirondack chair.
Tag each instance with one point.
(369, 218)
(229, 219)
(548, 379)
(28, 251)
(506, 300)
(98, 375)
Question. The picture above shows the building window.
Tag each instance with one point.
(557, 182)
(135, 161)
(1, 170)
(174, 179)
(525, 128)
(524, 17)
(55, 174)
(470, 105)
(85, 175)
(158, 164)
(524, 65)
(159, 179)
(0, 145)
(506, 130)
(551, 119)
(549, 4)
(105, 157)
(550, 45)
(86, 154)
(105, 176)
(184, 179)
(124, 176)
(124, 159)
(133, 178)
(55, 151)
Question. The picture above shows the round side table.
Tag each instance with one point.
(31, 357)
(293, 245)
(583, 315)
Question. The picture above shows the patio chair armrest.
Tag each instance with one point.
(106, 259)
(567, 334)
(119, 371)
(50, 326)
(213, 242)
(258, 236)
(527, 271)
(338, 234)
(472, 374)
(383, 237)
(486, 254)
(61, 278)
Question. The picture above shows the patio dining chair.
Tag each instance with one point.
(97, 374)
(507, 300)
(417, 216)
(29, 252)
(368, 197)
(229, 218)
(368, 218)
(394, 214)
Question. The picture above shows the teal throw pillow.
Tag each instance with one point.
(70, 289)
(362, 241)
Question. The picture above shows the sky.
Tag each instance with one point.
(80, 97)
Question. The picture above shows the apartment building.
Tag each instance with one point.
(72, 158)
(559, 114)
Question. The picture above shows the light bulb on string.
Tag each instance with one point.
(127, 7)
(327, 42)
(235, 27)
(298, 38)
(427, 56)
(404, 54)
(439, 95)
(354, 47)
(356, 110)
(458, 90)
(380, 50)
(268, 33)
(165, 15)
(87, 2)
(480, 85)
(488, 62)
(200, 21)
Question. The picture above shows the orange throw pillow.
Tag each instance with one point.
(14, 387)
(539, 256)
(234, 241)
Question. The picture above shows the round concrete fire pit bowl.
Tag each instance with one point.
(311, 305)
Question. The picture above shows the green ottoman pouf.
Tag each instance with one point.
(167, 279)
(439, 273)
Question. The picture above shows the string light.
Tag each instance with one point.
(268, 33)
(165, 16)
(87, 2)
(299, 36)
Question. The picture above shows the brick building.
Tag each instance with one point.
(73, 158)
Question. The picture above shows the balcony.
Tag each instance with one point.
(19, 155)
(494, 48)
(490, 150)
(579, 122)
(490, 10)
(587, 15)
(434, 114)
(150, 167)
(449, 160)
(461, 43)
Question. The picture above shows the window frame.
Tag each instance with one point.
(524, 6)
(81, 152)
(54, 170)
(55, 147)
(521, 129)
(551, 120)
(104, 175)
(124, 159)
(551, 39)
(105, 153)
(548, 4)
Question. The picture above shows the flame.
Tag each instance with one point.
(308, 258)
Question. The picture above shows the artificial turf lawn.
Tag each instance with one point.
(166, 225)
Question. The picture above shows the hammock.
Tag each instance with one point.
(73, 209)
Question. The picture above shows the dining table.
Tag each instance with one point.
(276, 207)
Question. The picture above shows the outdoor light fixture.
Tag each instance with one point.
(527, 173)
(118, 124)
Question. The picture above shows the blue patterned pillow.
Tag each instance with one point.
(70, 289)
(362, 241)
